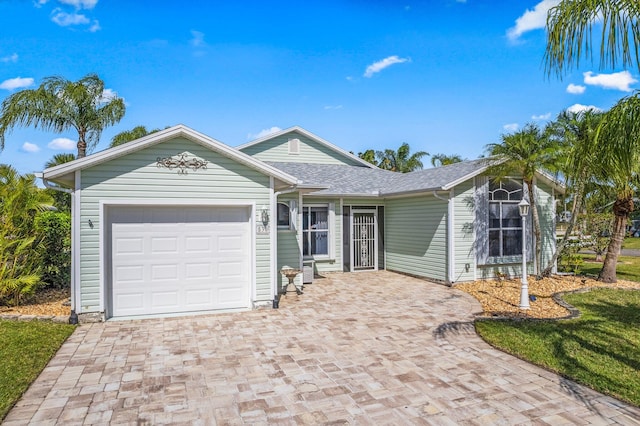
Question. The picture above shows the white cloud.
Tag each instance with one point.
(618, 80)
(531, 19)
(511, 127)
(541, 116)
(575, 89)
(80, 4)
(107, 95)
(576, 108)
(10, 58)
(95, 26)
(333, 107)
(30, 147)
(384, 63)
(263, 132)
(16, 83)
(198, 38)
(65, 19)
(62, 144)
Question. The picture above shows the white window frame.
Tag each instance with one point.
(330, 230)
(288, 226)
(502, 228)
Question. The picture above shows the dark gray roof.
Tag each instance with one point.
(437, 178)
(355, 180)
(338, 179)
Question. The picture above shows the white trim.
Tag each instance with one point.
(76, 283)
(299, 231)
(474, 233)
(273, 236)
(104, 233)
(311, 136)
(374, 211)
(342, 234)
(451, 236)
(161, 136)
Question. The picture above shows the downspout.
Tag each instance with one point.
(73, 317)
(274, 234)
(450, 236)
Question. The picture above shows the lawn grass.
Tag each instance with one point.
(25, 349)
(628, 267)
(631, 243)
(598, 349)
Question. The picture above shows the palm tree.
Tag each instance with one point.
(523, 153)
(61, 200)
(369, 156)
(570, 27)
(618, 165)
(58, 105)
(575, 134)
(130, 135)
(401, 160)
(438, 160)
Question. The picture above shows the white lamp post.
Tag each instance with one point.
(523, 206)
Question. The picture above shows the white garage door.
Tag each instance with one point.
(179, 259)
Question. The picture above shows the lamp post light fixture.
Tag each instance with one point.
(523, 206)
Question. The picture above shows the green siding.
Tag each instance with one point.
(547, 213)
(137, 177)
(277, 149)
(416, 236)
(464, 232)
(288, 242)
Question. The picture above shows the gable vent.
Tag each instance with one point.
(294, 146)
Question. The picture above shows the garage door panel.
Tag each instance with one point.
(164, 272)
(179, 259)
(199, 270)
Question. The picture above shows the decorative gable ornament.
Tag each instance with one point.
(182, 162)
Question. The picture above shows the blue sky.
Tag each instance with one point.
(445, 76)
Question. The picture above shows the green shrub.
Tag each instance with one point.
(19, 270)
(54, 232)
(569, 259)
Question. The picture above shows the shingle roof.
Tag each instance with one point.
(355, 180)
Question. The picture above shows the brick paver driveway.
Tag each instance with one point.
(368, 348)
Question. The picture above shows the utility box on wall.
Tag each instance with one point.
(307, 271)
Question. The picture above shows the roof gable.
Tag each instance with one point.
(63, 173)
(271, 148)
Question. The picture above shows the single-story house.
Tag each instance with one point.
(177, 222)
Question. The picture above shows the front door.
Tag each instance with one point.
(364, 244)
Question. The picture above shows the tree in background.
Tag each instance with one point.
(570, 27)
(58, 105)
(438, 160)
(130, 135)
(575, 137)
(618, 165)
(523, 153)
(369, 156)
(61, 200)
(401, 160)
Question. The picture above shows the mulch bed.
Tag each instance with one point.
(45, 303)
(501, 298)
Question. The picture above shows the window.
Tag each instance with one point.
(505, 223)
(284, 216)
(315, 230)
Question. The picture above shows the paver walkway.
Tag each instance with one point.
(368, 348)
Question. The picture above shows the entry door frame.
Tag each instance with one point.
(352, 246)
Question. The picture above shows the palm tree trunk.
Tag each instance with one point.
(621, 209)
(575, 209)
(82, 144)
